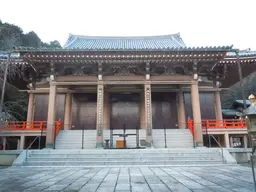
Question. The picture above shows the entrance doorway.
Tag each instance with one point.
(164, 110)
(84, 111)
(125, 111)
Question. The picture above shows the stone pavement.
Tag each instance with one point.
(140, 179)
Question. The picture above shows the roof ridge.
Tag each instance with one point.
(125, 42)
(124, 37)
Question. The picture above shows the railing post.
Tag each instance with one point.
(193, 132)
(111, 138)
(207, 134)
(165, 145)
(191, 128)
(83, 137)
(24, 125)
(244, 124)
(137, 137)
(253, 171)
(39, 142)
(41, 134)
(124, 146)
(225, 124)
(26, 155)
(54, 136)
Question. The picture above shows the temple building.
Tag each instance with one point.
(149, 88)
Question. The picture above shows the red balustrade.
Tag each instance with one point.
(57, 128)
(191, 128)
(215, 124)
(30, 126)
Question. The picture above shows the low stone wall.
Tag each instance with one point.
(7, 157)
(242, 155)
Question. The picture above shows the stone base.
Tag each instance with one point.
(199, 144)
(49, 146)
(99, 145)
(99, 142)
(149, 141)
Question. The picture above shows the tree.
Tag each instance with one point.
(14, 106)
(235, 92)
(52, 45)
(9, 35)
(15, 102)
(31, 39)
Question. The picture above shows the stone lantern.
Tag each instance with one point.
(250, 118)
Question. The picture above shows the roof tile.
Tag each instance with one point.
(125, 43)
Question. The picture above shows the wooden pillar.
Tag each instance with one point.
(100, 101)
(142, 111)
(18, 144)
(30, 113)
(4, 143)
(22, 142)
(218, 110)
(196, 113)
(227, 140)
(68, 110)
(51, 117)
(245, 141)
(148, 114)
(181, 111)
(106, 111)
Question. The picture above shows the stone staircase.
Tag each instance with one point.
(72, 139)
(131, 140)
(175, 138)
(127, 157)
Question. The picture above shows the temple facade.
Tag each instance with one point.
(142, 84)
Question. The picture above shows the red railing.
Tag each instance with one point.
(191, 128)
(57, 128)
(30, 126)
(214, 124)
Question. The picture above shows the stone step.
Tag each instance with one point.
(75, 146)
(113, 159)
(124, 155)
(150, 150)
(175, 138)
(75, 136)
(72, 139)
(85, 163)
(178, 151)
(121, 157)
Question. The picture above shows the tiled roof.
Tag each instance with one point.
(229, 112)
(3, 55)
(125, 43)
(248, 102)
(246, 54)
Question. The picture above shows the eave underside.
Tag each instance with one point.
(211, 64)
(204, 60)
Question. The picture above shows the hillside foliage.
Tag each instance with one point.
(15, 102)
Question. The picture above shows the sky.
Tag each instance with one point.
(200, 22)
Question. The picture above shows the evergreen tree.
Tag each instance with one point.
(15, 102)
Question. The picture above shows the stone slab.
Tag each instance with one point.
(184, 179)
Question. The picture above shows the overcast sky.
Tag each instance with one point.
(200, 22)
